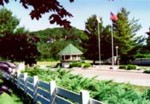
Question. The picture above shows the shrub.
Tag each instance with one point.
(140, 55)
(79, 64)
(130, 67)
(147, 71)
(86, 65)
(105, 91)
(122, 67)
(147, 94)
(73, 64)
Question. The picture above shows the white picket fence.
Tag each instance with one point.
(49, 93)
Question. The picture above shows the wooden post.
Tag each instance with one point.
(25, 81)
(18, 78)
(52, 91)
(85, 98)
(35, 85)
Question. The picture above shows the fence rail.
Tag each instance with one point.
(49, 93)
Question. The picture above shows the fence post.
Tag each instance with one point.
(35, 85)
(25, 81)
(52, 91)
(85, 98)
(18, 78)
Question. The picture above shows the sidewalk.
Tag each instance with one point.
(117, 75)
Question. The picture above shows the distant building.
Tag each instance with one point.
(68, 54)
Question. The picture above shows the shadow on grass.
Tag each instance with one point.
(6, 87)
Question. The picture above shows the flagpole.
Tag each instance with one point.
(112, 47)
(113, 18)
(99, 41)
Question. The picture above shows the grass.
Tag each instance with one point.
(48, 63)
(7, 99)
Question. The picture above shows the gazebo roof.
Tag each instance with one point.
(70, 50)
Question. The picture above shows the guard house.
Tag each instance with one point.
(68, 54)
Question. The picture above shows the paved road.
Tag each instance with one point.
(117, 75)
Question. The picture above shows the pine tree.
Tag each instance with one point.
(125, 34)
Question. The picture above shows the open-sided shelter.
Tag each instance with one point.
(69, 53)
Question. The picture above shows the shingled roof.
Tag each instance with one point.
(70, 50)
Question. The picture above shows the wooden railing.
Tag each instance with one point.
(48, 93)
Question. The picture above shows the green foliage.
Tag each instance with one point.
(105, 91)
(56, 47)
(17, 97)
(8, 21)
(75, 64)
(58, 13)
(86, 65)
(147, 47)
(125, 35)
(147, 55)
(131, 67)
(139, 55)
(91, 43)
(147, 94)
(44, 49)
(128, 67)
(21, 30)
(34, 71)
(53, 40)
(0, 76)
(20, 47)
(122, 67)
(79, 64)
(147, 71)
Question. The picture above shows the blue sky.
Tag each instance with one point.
(83, 9)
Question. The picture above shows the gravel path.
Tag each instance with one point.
(117, 75)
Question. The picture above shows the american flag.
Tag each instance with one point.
(113, 17)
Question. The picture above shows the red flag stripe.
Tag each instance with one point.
(113, 17)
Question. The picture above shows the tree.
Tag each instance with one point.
(21, 30)
(44, 49)
(91, 43)
(125, 35)
(40, 7)
(106, 42)
(8, 23)
(52, 38)
(56, 47)
(19, 48)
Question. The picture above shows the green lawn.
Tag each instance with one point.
(9, 99)
(48, 63)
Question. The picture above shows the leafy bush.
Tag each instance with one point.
(139, 55)
(79, 64)
(122, 67)
(147, 71)
(86, 65)
(147, 55)
(33, 71)
(72, 65)
(127, 67)
(75, 64)
(130, 67)
(105, 91)
(147, 94)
